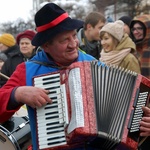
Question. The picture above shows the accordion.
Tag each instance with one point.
(93, 105)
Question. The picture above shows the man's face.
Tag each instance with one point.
(94, 31)
(137, 31)
(63, 48)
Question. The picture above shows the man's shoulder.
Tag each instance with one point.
(84, 56)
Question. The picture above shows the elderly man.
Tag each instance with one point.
(56, 35)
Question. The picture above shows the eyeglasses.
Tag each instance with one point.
(137, 29)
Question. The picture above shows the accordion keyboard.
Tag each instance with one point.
(52, 118)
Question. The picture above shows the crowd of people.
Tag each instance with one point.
(62, 42)
(26, 51)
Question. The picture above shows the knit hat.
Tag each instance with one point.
(7, 39)
(26, 34)
(126, 19)
(116, 29)
(3, 56)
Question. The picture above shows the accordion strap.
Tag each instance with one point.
(48, 64)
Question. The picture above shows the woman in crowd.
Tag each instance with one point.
(27, 51)
(118, 47)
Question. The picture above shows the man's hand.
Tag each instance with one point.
(32, 96)
(145, 122)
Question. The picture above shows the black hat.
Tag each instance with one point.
(126, 19)
(51, 20)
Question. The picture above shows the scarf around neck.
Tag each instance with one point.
(114, 57)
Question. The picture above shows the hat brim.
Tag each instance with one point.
(68, 24)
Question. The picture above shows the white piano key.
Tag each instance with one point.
(40, 120)
(50, 109)
(51, 118)
(51, 126)
(49, 82)
(54, 135)
(46, 77)
(46, 131)
(42, 111)
(49, 146)
(49, 115)
(59, 140)
(48, 85)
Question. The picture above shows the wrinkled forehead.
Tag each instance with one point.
(25, 39)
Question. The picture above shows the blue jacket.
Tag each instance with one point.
(34, 69)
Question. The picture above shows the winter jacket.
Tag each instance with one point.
(11, 63)
(131, 63)
(11, 50)
(23, 76)
(143, 46)
(128, 61)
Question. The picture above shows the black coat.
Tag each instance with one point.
(10, 65)
(11, 51)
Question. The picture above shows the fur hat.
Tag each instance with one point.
(26, 34)
(126, 19)
(55, 21)
(7, 39)
(116, 29)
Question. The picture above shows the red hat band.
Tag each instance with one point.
(53, 23)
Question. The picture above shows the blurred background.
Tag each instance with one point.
(113, 9)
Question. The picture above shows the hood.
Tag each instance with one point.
(79, 35)
(125, 43)
(145, 20)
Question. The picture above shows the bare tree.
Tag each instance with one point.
(132, 4)
(131, 9)
(16, 27)
(76, 9)
(102, 4)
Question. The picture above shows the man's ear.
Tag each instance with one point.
(45, 46)
(89, 26)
